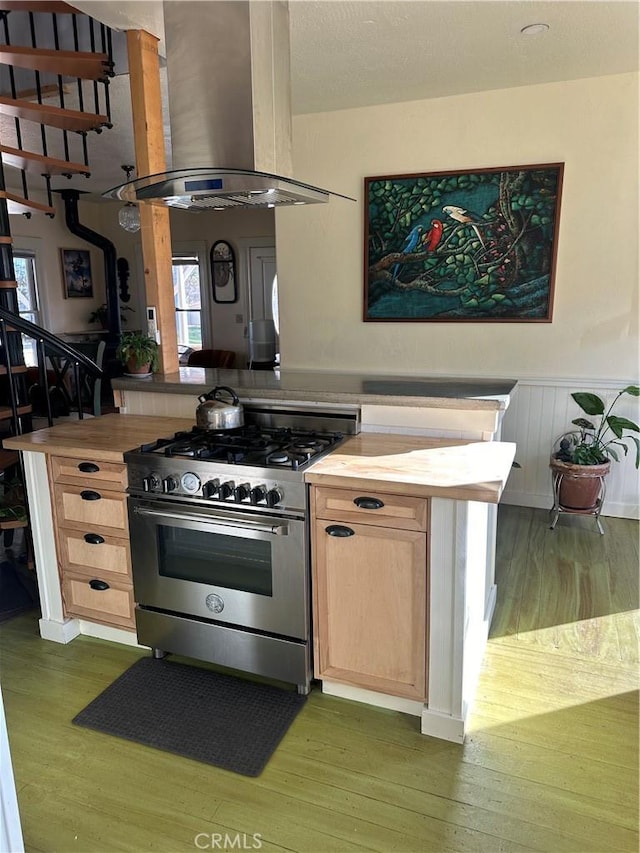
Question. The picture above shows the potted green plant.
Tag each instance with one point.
(138, 352)
(582, 457)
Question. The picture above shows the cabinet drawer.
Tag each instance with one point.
(370, 507)
(113, 605)
(88, 551)
(83, 472)
(86, 508)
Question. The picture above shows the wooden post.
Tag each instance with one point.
(148, 134)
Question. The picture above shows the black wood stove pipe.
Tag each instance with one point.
(70, 199)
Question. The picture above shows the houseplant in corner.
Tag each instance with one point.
(581, 458)
(138, 353)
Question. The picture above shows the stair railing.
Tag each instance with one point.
(48, 347)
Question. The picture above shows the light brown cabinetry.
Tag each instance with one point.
(370, 589)
(92, 535)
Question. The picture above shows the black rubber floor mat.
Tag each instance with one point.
(195, 712)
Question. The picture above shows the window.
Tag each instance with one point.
(188, 302)
(27, 292)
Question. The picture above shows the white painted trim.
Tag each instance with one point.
(446, 606)
(372, 697)
(443, 726)
(611, 509)
(10, 829)
(44, 543)
(59, 632)
(107, 632)
(472, 421)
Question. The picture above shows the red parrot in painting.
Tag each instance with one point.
(433, 236)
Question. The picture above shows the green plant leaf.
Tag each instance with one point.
(617, 425)
(589, 403)
(583, 423)
(634, 390)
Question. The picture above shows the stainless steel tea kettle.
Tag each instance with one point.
(216, 414)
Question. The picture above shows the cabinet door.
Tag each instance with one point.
(370, 607)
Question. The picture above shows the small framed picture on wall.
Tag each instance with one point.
(76, 273)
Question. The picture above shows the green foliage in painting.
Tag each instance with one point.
(462, 245)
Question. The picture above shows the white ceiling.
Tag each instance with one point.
(354, 53)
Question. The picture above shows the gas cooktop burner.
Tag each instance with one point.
(248, 445)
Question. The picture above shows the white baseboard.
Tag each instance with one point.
(372, 697)
(443, 726)
(106, 632)
(59, 632)
(615, 509)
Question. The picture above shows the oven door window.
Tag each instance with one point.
(227, 561)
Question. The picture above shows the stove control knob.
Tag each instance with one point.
(258, 494)
(169, 484)
(274, 496)
(151, 483)
(225, 490)
(241, 492)
(210, 489)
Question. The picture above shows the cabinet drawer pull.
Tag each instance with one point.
(99, 585)
(90, 496)
(88, 467)
(339, 530)
(368, 503)
(93, 538)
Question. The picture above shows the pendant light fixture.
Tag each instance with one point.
(129, 215)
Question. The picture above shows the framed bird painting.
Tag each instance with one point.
(474, 245)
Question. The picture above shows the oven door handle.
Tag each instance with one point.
(210, 521)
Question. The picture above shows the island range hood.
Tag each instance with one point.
(228, 73)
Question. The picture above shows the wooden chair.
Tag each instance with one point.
(223, 358)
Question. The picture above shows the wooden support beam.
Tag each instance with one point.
(148, 134)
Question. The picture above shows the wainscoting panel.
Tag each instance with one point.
(540, 411)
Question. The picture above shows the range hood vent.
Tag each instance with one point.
(228, 75)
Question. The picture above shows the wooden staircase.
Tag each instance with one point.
(78, 72)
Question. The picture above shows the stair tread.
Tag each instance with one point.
(40, 164)
(15, 368)
(67, 63)
(8, 458)
(52, 116)
(5, 524)
(16, 204)
(5, 411)
(50, 6)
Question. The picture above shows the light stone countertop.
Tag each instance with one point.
(347, 388)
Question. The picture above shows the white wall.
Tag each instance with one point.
(47, 236)
(591, 125)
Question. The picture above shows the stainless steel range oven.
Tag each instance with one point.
(220, 544)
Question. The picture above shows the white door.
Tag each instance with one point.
(263, 287)
(263, 302)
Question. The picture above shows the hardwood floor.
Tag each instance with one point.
(551, 762)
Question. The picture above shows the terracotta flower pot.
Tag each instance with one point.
(580, 486)
(138, 369)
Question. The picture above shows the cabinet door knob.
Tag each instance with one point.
(339, 530)
(90, 496)
(99, 585)
(93, 538)
(88, 467)
(368, 503)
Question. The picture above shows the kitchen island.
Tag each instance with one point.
(457, 482)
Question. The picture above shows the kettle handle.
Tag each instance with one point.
(213, 395)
